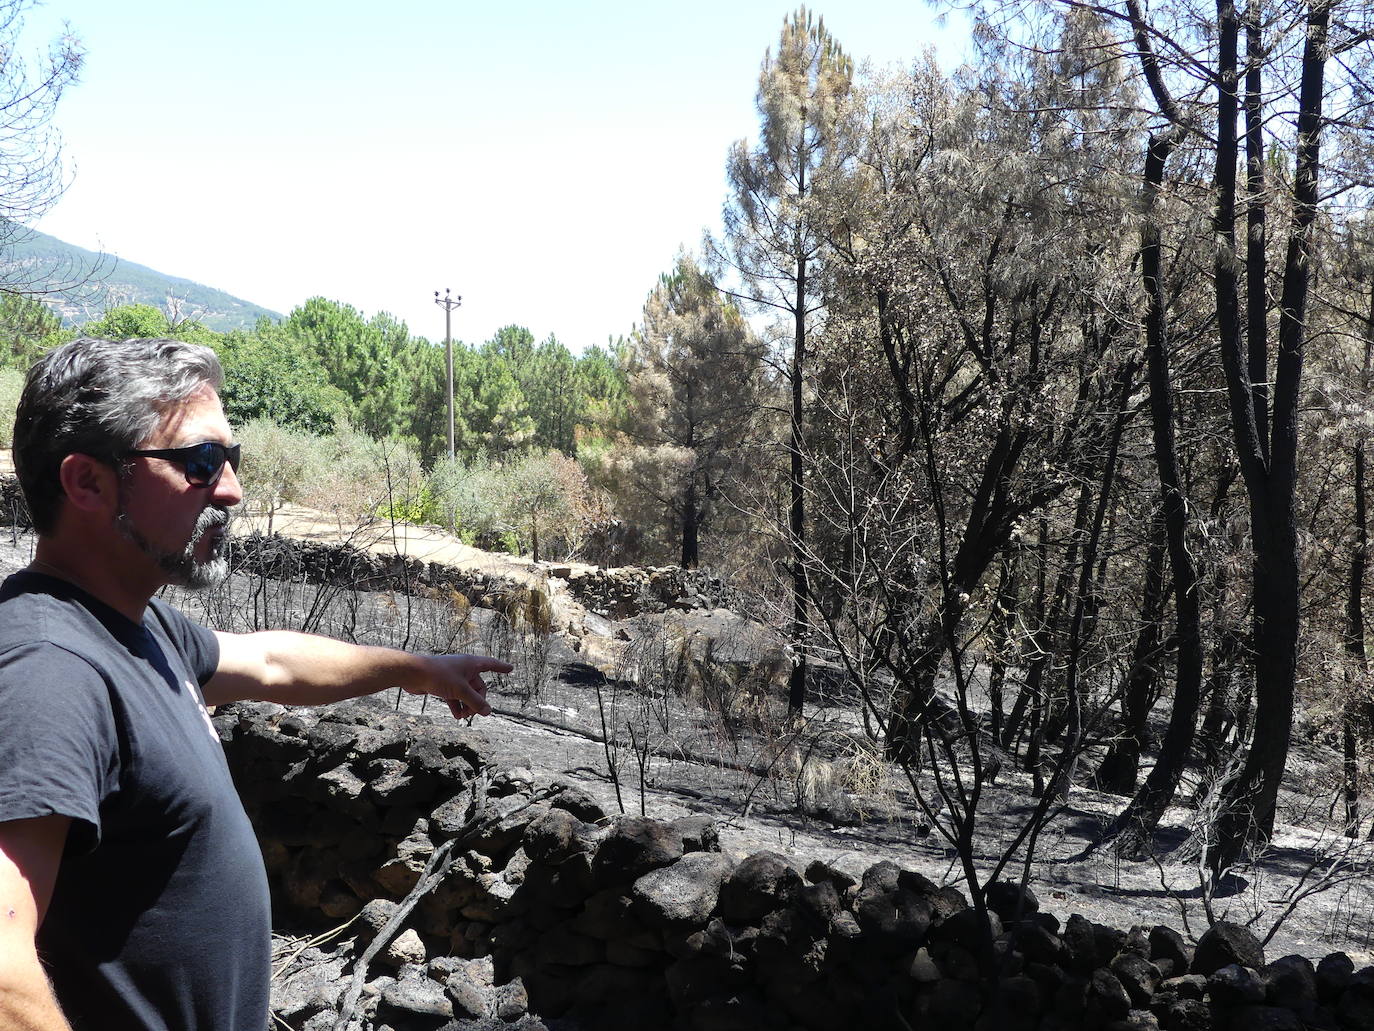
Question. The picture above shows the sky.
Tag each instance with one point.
(545, 161)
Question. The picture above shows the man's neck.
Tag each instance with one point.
(102, 579)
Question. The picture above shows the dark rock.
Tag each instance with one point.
(331, 743)
(685, 892)
(468, 1000)
(958, 963)
(952, 1005)
(1070, 997)
(575, 800)
(451, 817)
(402, 871)
(1168, 944)
(1188, 986)
(512, 1001)
(881, 877)
(760, 883)
(563, 945)
(267, 744)
(893, 918)
(1137, 975)
(609, 914)
(1264, 1018)
(1038, 945)
(945, 902)
(1109, 941)
(919, 884)
(1080, 944)
(1135, 1020)
(414, 996)
(691, 981)
(573, 881)
(1355, 1010)
(502, 822)
(308, 991)
(818, 904)
(1186, 1015)
(1226, 943)
(515, 780)
(966, 929)
(1333, 976)
(1000, 1015)
(699, 834)
(738, 1011)
(1010, 901)
(1289, 981)
(373, 917)
(555, 835)
(622, 954)
(717, 938)
(1235, 985)
(634, 846)
(395, 783)
(923, 969)
(820, 870)
(1021, 994)
(426, 753)
(1105, 998)
(1137, 941)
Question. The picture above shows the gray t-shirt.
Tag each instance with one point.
(160, 917)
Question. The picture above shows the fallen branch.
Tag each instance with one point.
(435, 871)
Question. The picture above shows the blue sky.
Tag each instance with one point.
(544, 160)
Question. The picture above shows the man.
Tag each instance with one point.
(129, 874)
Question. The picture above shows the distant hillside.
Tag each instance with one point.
(82, 284)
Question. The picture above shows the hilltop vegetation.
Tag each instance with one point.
(80, 285)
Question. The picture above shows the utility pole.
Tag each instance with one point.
(448, 303)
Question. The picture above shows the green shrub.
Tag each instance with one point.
(11, 385)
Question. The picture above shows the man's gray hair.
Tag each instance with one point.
(100, 398)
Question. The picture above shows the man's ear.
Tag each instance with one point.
(89, 484)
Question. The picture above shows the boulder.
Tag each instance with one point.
(760, 883)
(685, 892)
(634, 846)
(1225, 943)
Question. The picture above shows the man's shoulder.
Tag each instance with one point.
(31, 616)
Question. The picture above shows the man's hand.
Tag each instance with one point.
(457, 679)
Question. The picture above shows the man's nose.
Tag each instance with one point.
(228, 491)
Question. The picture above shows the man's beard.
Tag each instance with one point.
(183, 568)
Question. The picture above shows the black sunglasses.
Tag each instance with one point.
(202, 463)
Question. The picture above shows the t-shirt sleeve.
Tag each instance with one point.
(59, 750)
(197, 644)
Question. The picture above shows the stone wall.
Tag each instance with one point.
(620, 593)
(499, 894)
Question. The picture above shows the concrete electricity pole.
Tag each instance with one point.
(448, 304)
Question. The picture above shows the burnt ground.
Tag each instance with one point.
(678, 746)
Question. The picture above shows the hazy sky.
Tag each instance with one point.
(544, 160)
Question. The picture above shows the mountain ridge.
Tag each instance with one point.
(80, 285)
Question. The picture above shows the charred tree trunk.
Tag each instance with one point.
(1133, 829)
(796, 513)
(1248, 802)
(1012, 730)
(1121, 766)
(691, 526)
(1358, 669)
(1003, 641)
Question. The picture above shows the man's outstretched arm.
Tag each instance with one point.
(305, 669)
(30, 851)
